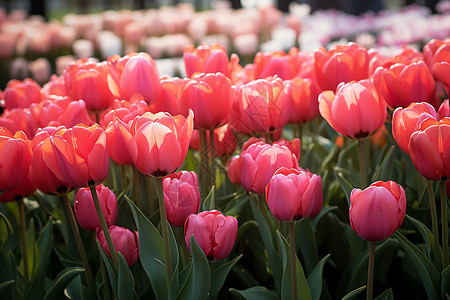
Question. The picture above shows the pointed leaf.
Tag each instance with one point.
(112, 275)
(4, 286)
(220, 274)
(424, 232)
(315, 279)
(125, 281)
(304, 232)
(346, 186)
(5, 228)
(175, 256)
(61, 281)
(43, 249)
(208, 203)
(387, 295)
(353, 294)
(256, 292)
(445, 284)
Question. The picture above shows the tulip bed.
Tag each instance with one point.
(301, 175)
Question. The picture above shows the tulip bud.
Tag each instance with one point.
(125, 241)
(214, 233)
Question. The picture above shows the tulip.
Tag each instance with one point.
(78, 156)
(84, 207)
(356, 111)
(87, 80)
(181, 196)
(437, 53)
(134, 74)
(170, 97)
(19, 119)
(342, 63)
(214, 233)
(400, 84)
(378, 211)
(403, 55)
(259, 163)
(224, 141)
(429, 148)
(25, 189)
(123, 110)
(125, 241)
(292, 194)
(234, 169)
(210, 97)
(278, 63)
(158, 143)
(405, 122)
(56, 87)
(15, 159)
(21, 93)
(444, 109)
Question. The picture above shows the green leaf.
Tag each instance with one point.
(61, 281)
(5, 228)
(346, 186)
(208, 203)
(354, 293)
(303, 292)
(125, 281)
(220, 274)
(256, 292)
(4, 286)
(315, 279)
(174, 286)
(384, 169)
(43, 249)
(198, 282)
(427, 271)
(151, 249)
(235, 205)
(112, 275)
(76, 290)
(387, 295)
(424, 232)
(323, 212)
(445, 284)
(304, 232)
(31, 240)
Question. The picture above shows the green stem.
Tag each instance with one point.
(101, 217)
(362, 164)
(137, 185)
(149, 189)
(434, 220)
(204, 178)
(212, 165)
(299, 135)
(76, 233)
(370, 271)
(23, 236)
(444, 224)
(269, 137)
(165, 231)
(123, 181)
(182, 246)
(293, 261)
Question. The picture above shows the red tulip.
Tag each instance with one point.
(19, 119)
(429, 149)
(78, 156)
(378, 211)
(55, 87)
(403, 55)
(87, 80)
(210, 97)
(234, 169)
(292, 194)
(405, 122)
(181, 196)
(85, 211)
(259, 108)
(259, 163)
(214, 233)
(135, 73)
(400, 84)
(302, 94)
(125, 241)
(21, 93)
(356, 111)
(169, 99)
(25, 189)
(224, 141)
(123, 110)
(342, 63)
(444, 109)
(437, 57)
(15, 159)
(158, 143)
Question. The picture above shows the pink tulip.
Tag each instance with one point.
(378, 211)
(234, 169)
(406, 120)
(292, 194)
(278, 63)
(214, 233)
(169, 99)
(444, 109)
(224, 141)
(21, 93)
(181, 196)
(125, 241)
(356, 111)
(55, 87)
(19, 119)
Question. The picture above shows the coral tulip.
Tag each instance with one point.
(25, 189)
(356, 111)
(181, 196)
(278, 63)
(169, 99)
(378, 211)
(214, 233)
(125, 241)
(292, 194)
(85, 211)
(224, 141)
(21, 93)
(19, 119)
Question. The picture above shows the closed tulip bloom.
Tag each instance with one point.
(214, 233)
(85, 211)
(400, 84)
(135, 73)
(405, 122)
(123, 110)
(158, 143)
(292, 194)
(437, 56)
(25, 189)
(378, 211)
(275, 64)
(125, 241)
(21, 93)
(260, 161)
(302, 94)
(429, 149)
(169, 99)
(181, 196)
(87, 80)
(15, 159)
(444, 109)
(19, 119)
(78, 156)
(54, 87)
(234, 169)
(342, 63)
(356, 111)
(225, 143)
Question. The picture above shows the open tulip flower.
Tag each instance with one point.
(292, 194)
(355, 111)
(214, 233)
(378, 211)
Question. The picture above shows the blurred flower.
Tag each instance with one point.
(125, 241)
(214, 233)
(378, 211)
(40, 69)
